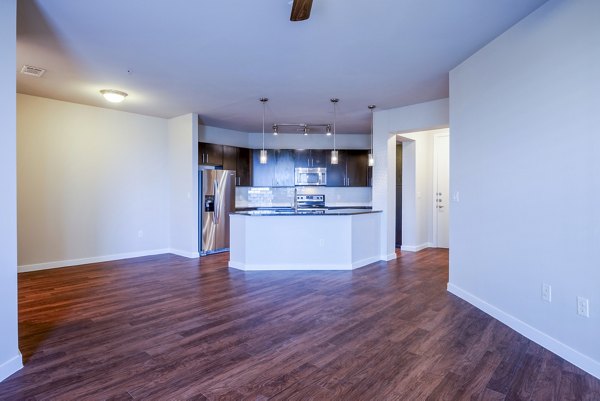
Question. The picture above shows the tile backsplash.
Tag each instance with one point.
(284, 196)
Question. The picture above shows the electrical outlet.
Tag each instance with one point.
(547, 292)
(583, 307)
(322, 242)
(456, 196)
(140, 233)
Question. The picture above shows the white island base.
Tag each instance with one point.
(304, 242)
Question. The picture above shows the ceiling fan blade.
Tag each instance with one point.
(301, 10)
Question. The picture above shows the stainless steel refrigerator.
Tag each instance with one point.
(217, 200)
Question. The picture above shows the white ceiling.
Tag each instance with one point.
(218, 57)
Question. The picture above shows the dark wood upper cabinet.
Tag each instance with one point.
(336, 173)
(357, 168)
(319, 157)
(244, 167)
(278, 172)
(229, 157)
(284, 177)
(210, 154)
(310, 157)
(351, 171)
(302, 158)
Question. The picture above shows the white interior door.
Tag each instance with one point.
(441, 190)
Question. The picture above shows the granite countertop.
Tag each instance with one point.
(292, 212)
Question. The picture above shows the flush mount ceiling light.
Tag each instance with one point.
(113, 95)
(263, 153)
(371, 160)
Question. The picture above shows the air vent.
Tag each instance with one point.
(33, 71)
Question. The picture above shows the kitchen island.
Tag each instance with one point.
(337, 239)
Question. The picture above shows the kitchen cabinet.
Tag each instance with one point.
(351, 171)
(336, 173)
(210, 154)
(310, 158)
(243, 168)
(230, 158)
(278, 172)
(357, 168)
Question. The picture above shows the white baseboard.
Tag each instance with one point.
(185, 254)
(364, 262)
(254, 267)
(95, 259)
(416, 248)
(389, 256)
(342, 266)
(564, 351)
(10, 366)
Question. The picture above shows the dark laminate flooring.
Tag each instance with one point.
(170, 328)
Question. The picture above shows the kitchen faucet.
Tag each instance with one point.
(295, 200)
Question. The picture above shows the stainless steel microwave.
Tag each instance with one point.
(310, 176)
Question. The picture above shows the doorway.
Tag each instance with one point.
(398, 194)
(423, 202)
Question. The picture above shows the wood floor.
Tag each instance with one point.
(170, 328)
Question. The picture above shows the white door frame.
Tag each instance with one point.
(434, 187)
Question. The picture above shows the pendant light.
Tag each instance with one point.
(371, 160)
(263, 152)
(334, 152)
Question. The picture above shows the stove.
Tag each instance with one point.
(310, 203)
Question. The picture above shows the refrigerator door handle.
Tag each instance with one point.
(216, 183)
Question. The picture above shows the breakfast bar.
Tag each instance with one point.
(338, 239)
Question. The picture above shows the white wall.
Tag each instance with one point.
(10, 357)
(386, 124)
(90, 181)
(525, 158)
(222, 136)
(316, 141)
(183, 188)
